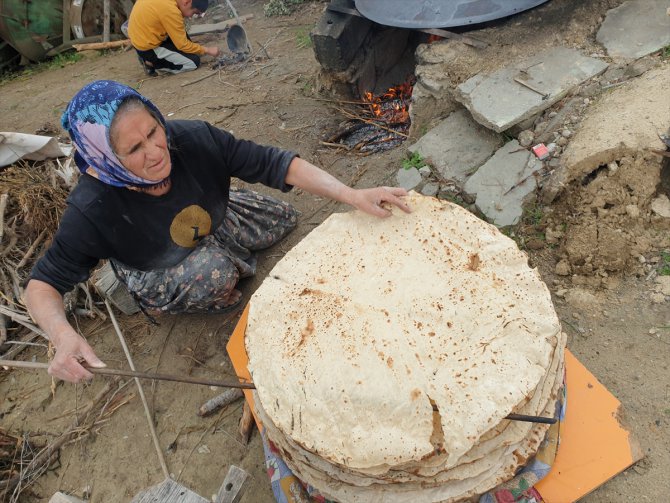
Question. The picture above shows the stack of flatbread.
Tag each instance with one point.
(386, 354)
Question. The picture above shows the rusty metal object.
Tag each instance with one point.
(86, 17)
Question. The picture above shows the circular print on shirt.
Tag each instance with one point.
(190, 225)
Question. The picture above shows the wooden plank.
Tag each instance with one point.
(109, 287)
(168, 491)
(233, 487)
(212, 27)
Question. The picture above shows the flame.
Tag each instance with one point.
(391, 106)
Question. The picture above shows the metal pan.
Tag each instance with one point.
(440, 13)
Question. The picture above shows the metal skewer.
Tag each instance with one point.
(208, 382)
(134, 373)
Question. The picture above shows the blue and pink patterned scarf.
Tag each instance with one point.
(87, 119)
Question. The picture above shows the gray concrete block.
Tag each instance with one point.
(635, 28)
(337, 37)
(457, 146)
(498, 101)
(503, 182)
(408, 178)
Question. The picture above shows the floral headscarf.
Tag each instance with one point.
(87, 119)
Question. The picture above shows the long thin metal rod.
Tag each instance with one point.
(154, 436)
(131, 373)
(207, 382)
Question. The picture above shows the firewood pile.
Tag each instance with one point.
(32, 200)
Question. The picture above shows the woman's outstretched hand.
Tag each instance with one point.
(371, 200)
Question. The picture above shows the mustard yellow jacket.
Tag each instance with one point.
(153, 21)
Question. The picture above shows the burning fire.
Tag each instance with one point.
(381, 123)
(392, 106)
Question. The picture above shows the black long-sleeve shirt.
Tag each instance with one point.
(148, 232)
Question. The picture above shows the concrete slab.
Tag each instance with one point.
(635, 28)
(503, 182)
(498, 101)
(623, 122)
(408, 178)
(457, 146)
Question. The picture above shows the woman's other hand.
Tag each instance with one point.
(73, 351)
(372, 200)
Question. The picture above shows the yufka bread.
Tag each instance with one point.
(386, 354)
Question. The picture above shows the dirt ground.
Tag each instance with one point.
(616, 323)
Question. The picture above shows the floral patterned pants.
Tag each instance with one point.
(204, 279)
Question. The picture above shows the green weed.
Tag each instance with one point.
(414, 161)
(533, 214)
(665, 52)
(60, 61)
(664, 265)
(303, 40)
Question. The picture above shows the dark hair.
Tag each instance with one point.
(129, 104)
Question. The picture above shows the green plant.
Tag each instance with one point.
(59, 61)
(665, 52)
(414, 161)
(303, 39)
(533, 214)
(664, 265)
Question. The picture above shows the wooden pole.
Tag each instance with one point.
(101, 45)
(66, 21)
(152, 428)
(105, 20)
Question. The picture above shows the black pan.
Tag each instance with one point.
(440, 13)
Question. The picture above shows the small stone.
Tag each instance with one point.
(605, 313)
(561, 293)
(425, 171)
(633, 211)
(652, 331)
(430, 189)
(562, 268)
(581, 330)
(526, 138)
(551, 148)
(552, 114)
(562, 141)
(203, 449)
(586, 101)
(566, 133)
(612, 167)
(574, 118)
(554, 162)
(657, 298)
(661, 206)
(641, 259)
(540, 127)
(576, 316)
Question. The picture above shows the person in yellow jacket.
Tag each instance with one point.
(156, 31)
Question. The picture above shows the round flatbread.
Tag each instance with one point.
(368, 325)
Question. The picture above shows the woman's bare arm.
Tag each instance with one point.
(45, 305)
(308, 177)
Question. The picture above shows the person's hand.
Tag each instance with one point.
(71, 351)
(371, 200)
(212, 51)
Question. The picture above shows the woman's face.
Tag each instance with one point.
(140, 143)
